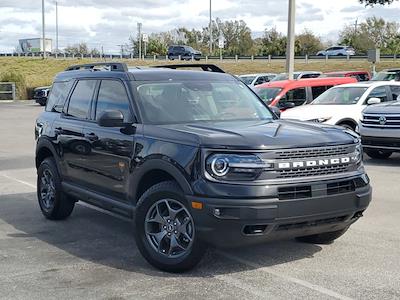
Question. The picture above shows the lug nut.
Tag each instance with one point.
(169, 234)
(176, 232)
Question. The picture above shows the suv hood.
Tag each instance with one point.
(384, 108)
(311, 112)
(252, 135)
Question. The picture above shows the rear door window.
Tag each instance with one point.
(81, 99)
(297, 96)
(58, 94)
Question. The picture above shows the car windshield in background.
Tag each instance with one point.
(387, 76)
(193, 101)
(247, 79)
(340, 96)
(267, 94)
(285, 76)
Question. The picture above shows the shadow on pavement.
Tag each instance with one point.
(393, 161)
(102, 239)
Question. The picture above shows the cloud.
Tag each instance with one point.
(110, 23)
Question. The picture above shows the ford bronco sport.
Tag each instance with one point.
(193, 158)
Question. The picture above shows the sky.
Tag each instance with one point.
(109, 23)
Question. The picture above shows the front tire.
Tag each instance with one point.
(165, 231)
(54, 204)
(378, 154)
(322, 238)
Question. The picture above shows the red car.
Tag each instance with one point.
(359, 75)
(290, 93)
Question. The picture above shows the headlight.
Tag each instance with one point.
(320, 120)
(358, 154)
(236, 166)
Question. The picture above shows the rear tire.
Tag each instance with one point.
(322, 238)
(54, 204)
(378, 154)
(165, 231)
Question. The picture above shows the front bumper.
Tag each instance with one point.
(283, 212)
(381, 143)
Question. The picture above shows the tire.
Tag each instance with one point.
(378, 154)
(322, 238)
(154, 224)
(54, 204)
(348, 126)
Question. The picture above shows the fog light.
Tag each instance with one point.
(217, 212)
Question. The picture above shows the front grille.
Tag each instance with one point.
(315, 152)
(381, 141)
(320, 222)
(308, 191)
(340, 187)
(313, 171)
(389, 121)
(296, 192)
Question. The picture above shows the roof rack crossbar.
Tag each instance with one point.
(114, 66)
(204, 67)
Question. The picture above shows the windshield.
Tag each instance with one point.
(340, 96)
(285, 76)
(268, 94)
(194, 101)
(247, 79)
(387, 76)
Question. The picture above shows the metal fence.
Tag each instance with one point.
(269, 58)
(7, 91)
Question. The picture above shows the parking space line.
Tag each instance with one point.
(301, 282)
(20, 181)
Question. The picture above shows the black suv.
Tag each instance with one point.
(183, 52)
(194, 158)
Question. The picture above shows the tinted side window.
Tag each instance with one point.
(395, 90)
(81, 98)
(58, 95)
(297, 96)
(112, 96)
(379, 92)
(318, 90)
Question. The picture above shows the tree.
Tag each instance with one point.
(373, 33)
(308, 43)
(77, 49)
(374, 2)
(273, 42)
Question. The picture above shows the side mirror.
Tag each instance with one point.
(373, 101)
(111, 118)
(287, 105)
(276, 111)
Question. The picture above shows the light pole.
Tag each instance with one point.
(139, 25)
(210, 29)
(291, 39)
(43, 31)
(56, 27)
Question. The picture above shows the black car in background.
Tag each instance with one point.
(40, 94)
(183, 52)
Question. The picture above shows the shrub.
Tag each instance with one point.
(20, 82)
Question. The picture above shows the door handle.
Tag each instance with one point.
(58, 130)
(91, 136)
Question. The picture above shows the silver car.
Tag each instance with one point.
(380, 128)
(256, 79)
(338, 51)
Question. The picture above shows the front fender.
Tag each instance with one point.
(161, 164)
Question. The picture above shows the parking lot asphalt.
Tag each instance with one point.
(93, 255)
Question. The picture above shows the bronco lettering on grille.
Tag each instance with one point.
(314, 163)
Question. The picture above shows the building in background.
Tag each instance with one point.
(35, 45)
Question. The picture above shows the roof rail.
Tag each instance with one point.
(204, 67)
(114, 66)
